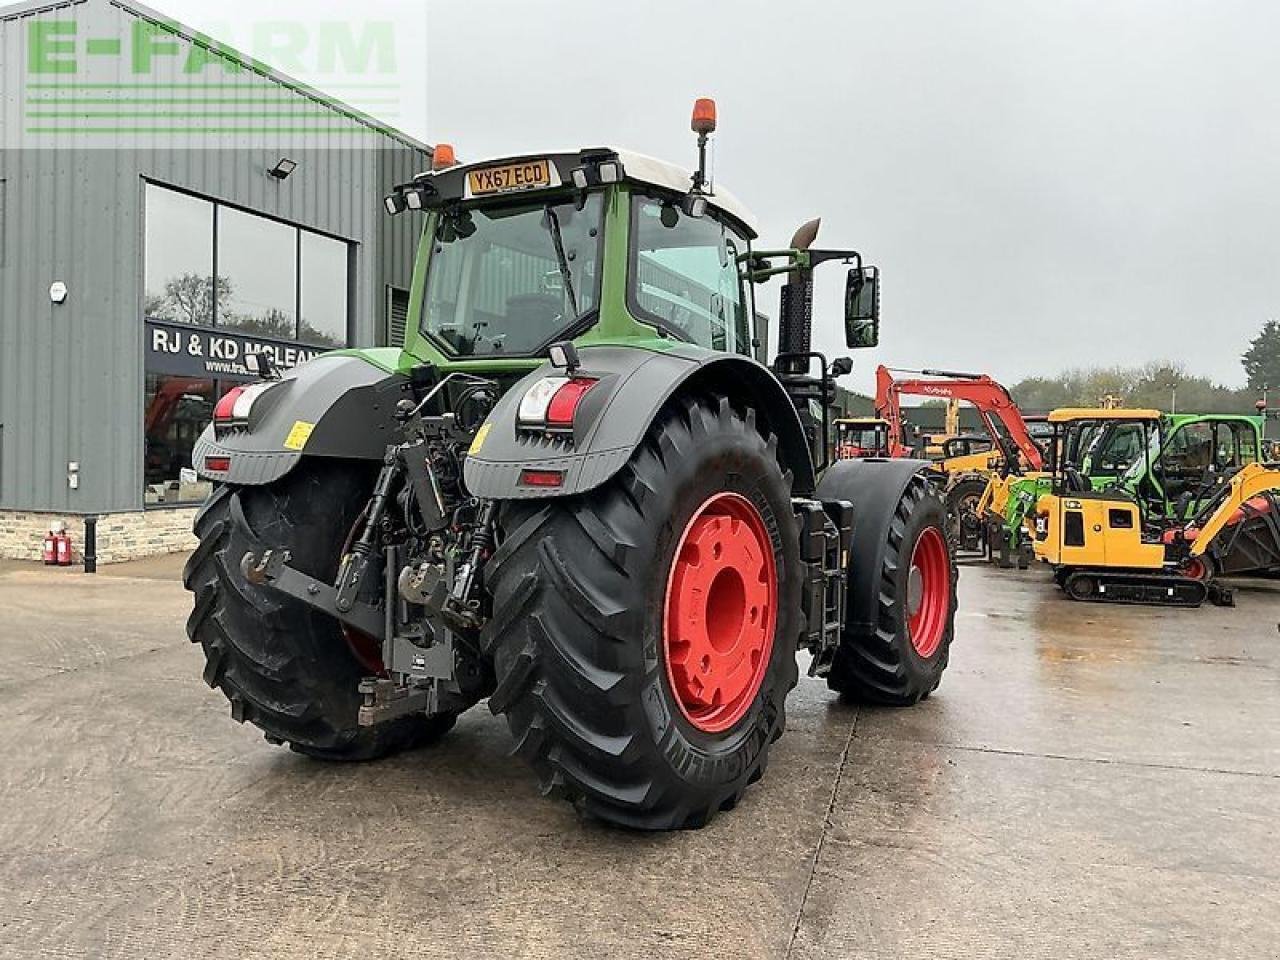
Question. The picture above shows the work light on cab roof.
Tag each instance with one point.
(448, 181)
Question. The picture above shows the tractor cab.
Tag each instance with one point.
(858, 437)
(587, 245)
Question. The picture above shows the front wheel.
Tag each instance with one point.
(901, 661)
(644, 634)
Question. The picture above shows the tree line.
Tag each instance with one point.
(1161, 385)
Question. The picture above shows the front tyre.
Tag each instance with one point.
(901, 661)
(644, 634)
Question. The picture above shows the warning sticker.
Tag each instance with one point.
(478, 442)
(298, 435)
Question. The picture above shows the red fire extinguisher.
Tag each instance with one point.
(50, 552)
(62, 549)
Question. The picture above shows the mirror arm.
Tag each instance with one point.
(848, 256)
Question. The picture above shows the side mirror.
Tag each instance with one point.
(841, 366)
(862, 308)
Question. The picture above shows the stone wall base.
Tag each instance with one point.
(121, 536)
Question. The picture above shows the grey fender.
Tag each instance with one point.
(874, 487)
(332, 406)
(614, 416)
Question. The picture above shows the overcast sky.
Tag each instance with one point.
(1043, 184)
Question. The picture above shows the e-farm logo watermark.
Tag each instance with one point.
(119, 78)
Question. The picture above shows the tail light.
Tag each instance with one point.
(552, 402)
(236, 404)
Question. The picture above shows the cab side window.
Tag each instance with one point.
(685, 276)
(1186, 459)
(1118, 450)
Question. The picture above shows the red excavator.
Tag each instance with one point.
(964, 473)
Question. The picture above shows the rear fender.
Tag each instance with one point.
(874, 487)
(615, 415)
(332, 406)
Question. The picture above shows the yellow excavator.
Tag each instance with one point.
(1103, 547)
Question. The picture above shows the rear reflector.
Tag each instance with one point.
(217, 464)
(541, 478)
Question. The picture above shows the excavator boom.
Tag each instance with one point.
(990, 398)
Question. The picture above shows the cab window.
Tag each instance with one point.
(1236, 445)
(1117, 449)
(684, 276)
(1186, 458)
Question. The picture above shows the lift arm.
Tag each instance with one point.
(990, 398)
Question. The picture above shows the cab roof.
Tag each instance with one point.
(636, 167)
(1067, 414)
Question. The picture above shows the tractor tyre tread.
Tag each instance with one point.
(282, 666)
(882, 667)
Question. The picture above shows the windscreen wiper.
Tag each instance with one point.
(562, 261)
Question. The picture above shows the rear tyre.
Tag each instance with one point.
(902, 661)
(644, 634)
(284, 667)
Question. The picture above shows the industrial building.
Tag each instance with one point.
(141, 260)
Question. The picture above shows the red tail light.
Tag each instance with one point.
(552, 402)
(564, 404)
(225, 410)
(233, 410)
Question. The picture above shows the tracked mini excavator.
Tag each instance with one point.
(1111, 545)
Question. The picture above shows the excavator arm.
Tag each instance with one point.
(990, 398)
(1254, 489)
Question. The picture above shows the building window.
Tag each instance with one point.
(250, 284)
(325, 265)
(177, 410)
(179, 258)
(257, 275)
(213, 265)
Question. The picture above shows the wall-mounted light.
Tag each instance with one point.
(284, 166)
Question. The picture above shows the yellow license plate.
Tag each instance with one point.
(529, 175)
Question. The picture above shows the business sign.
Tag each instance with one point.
(180, 350)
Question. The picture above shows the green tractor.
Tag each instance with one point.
(576, 491)
(1191, 455)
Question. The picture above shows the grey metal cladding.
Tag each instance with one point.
(71, 376)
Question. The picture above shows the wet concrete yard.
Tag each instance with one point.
(1087, 782)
